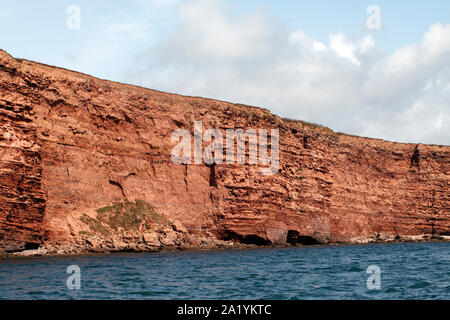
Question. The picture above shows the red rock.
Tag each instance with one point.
(152, 239)
(71, 144)
(276, 236)
(179, 227)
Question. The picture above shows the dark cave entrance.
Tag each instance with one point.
(307, 240)
(294, 238)
(254, 239)
(31, 246)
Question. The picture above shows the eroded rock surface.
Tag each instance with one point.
(72, 144)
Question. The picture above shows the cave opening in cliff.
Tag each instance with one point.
(307, 240)
(294, 238)
(254, 239)
(31, 246)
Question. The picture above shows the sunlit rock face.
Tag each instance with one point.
(72, 144)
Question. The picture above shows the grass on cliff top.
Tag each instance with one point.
(125, 215)
(259, 114)
(308, 124)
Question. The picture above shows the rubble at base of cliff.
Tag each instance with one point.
(191, 243)
(88, 248)
(388, 238)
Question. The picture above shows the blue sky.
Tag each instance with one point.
(37, 30)
(250, 52)
(404, 21)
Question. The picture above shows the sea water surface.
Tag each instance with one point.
(408, 271)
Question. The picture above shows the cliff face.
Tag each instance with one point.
(72, 145)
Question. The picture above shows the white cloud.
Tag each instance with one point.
(205, 33)
(345, 48)
(347, 84)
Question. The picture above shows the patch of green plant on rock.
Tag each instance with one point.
(94, 224)
(85, 233)
(129, 215)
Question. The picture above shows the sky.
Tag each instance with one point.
(371, 68)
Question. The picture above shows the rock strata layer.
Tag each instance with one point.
(85, 165)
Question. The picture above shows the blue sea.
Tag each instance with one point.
(402, 271)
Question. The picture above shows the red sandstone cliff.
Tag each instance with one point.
(72, 145)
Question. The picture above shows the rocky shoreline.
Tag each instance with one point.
(205, 244)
